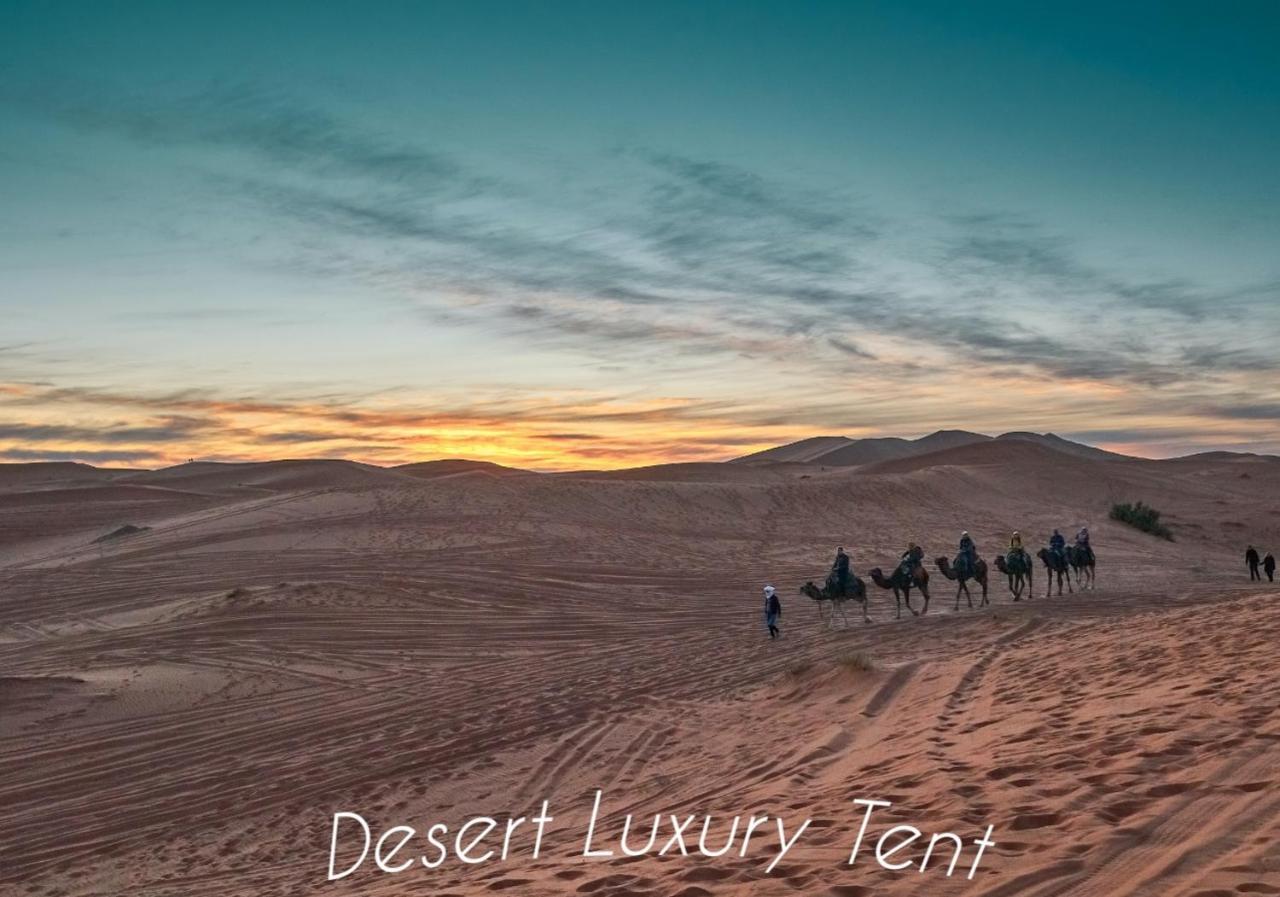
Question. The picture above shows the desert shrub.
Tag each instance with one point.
(857, 660)
(1143, 517)
(800, 667)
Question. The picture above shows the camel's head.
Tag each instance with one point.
(1043, 553)
(942, 563)
(811, 590)
(1000, 564)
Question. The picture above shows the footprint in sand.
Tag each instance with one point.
(1029, 821)
(848, 891)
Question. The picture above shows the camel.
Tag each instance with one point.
(1082, 562)
(857, 592)
(1018, 579)
(1056, 563)
(901, 585)
(979, 575)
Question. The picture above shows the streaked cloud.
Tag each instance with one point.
(664, 303)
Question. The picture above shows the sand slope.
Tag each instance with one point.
(182, 709)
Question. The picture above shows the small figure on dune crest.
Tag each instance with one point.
(1269, 565)
(1251, 561)
(966, 566)
(772, 611)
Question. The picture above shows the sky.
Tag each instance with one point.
(576, 235)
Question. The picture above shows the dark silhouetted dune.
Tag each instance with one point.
(802, 452)
(46, 473)
(1057, 443)
(271, 475)
(449, 467)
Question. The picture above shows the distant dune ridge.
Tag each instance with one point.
(821, 451)
(840, 451)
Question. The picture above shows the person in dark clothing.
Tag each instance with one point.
(1269, 567)
(772, 611)
(1057, 541)
(967, 559)
(1251, 561)
(911, 559)
(841, 571)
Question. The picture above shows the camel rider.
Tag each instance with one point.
(911, 558)
(841, 570)
(1082, 542)
(1017, 554)
(968, 553)
(1058, 544)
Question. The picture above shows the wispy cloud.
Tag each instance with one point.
(86, 456)
(780, 290)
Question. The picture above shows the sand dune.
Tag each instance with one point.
(840, 451)
(183, 709)
(456, 467)
(274, 475)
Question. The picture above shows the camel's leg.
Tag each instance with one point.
(959, 589)
(924, 590)
(985, 602)
(967, 596)
(843, 615)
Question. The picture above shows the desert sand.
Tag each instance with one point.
(182, 709)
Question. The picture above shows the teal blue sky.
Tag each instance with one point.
(567, 234)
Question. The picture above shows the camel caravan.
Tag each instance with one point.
(1062, 563)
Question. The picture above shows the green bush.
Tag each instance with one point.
(1143, 517)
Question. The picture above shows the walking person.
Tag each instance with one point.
(1269, 567)
(772, 611)
(1251, 561)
